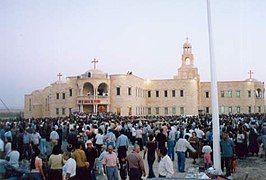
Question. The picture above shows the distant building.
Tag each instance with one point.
(127, 94)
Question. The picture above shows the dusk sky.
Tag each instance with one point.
(39, 39)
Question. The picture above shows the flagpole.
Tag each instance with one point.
(214, 97)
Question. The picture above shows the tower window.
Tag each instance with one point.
(70, 92)
(64, 96)
(118, 91)
(188, 61)
(57, 95)
(207, 94)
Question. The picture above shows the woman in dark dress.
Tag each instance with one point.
(194, 141)
(253, 143)
(151, 147)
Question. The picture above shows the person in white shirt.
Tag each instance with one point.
(13, 157)
(69, 169)
(35, 137)
(99, 141)
(166, 169)
(54, 137)
(181, 147)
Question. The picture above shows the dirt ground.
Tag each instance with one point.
(253, 167)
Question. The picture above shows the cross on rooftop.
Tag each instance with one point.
(94, 62)
(59, 76)
(250, 74)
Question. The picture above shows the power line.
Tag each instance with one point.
(5, 105)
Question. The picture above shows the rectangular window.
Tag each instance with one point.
(238, 110)
(222, 109)
(173, 110)
(258, 109)
(181, 93)
(157, 110)
(230, 109)
(165, 93)
(238, 93)
(70, 92)
(149, 93)
(182, 110)
(118, 111)
(222, 94)
(64, 95)
(57, 95)
(118, 91)
(63, 111)
(207, 110)
(30, 105)
(157, 93)
(207, 94)
(149, 111)
(229, 94)
(129, 91)
(249, 109)
(173, 93)
(166, 110)
(57, 111)
(249, 93)
(130, 111)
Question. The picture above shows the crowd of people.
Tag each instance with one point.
(110, 144)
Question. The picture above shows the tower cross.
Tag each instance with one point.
(94, 63)
(59, 76)
(250, 74)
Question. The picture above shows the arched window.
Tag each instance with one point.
(188, 61)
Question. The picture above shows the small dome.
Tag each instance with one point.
(252, 79)
(94, 73)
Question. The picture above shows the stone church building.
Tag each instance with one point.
(127, 94)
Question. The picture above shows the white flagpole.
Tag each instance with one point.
(214, 98)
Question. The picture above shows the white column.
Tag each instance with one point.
(81, 108)
(214, 97)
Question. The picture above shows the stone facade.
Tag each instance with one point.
(127, 94)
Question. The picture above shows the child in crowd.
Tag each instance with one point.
(207, 155)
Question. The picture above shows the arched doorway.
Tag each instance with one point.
(88, 89)
(102, 108)
(102, 90)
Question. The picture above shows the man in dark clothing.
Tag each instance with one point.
(72, 138)
(160, 139)
(91, 154)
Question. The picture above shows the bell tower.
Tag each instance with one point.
(187, 69)
(187, 56)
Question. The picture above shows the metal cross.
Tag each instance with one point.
(94, 62)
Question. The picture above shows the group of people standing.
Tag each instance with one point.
(118, 146)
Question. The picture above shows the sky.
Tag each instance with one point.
(39, 39)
